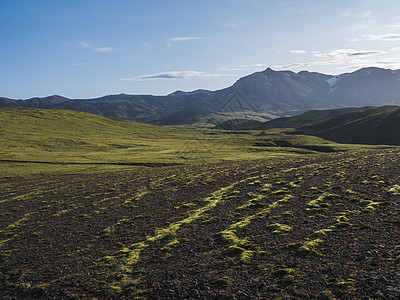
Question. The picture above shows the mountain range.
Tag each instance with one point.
(262, 95)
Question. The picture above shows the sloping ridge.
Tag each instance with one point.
(307, 118)
(188, 115)
(53, 130)
(375, 126)
(238, 124)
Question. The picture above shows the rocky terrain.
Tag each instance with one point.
(321, 226)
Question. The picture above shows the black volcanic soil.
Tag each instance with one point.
(317, 227)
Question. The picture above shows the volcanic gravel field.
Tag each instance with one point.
(321, 226)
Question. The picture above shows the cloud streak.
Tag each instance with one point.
(348, 59)
(361, 15)
(342, 54)
(99, 49)
(395, 26)
(362, 25)
(298, 51)
(337, 59)
(182, 39)
(104, 49)
(253, 67)
(383, 37)
(85, 45)
(185, 38)
(173, 75)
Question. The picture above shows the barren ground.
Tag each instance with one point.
(322, 226)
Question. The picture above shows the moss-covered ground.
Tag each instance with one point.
(40, 143)
(318, 226)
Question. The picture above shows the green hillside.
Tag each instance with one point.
(36, 142)
(69, 141)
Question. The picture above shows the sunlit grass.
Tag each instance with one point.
(37, 142)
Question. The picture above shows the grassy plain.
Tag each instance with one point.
(38, 142)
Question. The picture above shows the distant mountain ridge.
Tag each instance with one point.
(272, 93)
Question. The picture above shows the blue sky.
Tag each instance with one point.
(90, 48)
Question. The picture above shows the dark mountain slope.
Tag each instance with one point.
(285, 91)
(307, 118)
(46, 102)
(189, 115)
(374, 126)
(239, 124)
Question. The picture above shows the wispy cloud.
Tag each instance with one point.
(298, 51)
(177, 75)
(347, 13)
(97, 49)
(103, 49)
(353, 39)
(361, 25)
(335, 59)
(383, 37)
(341, 65)
(347, 53)
(391, 63)
(395, 49)
(395, 26)
(361, 15)
(361, 19)
(306, 64)
(182, 39)
(185, 38)
(251, 67)
(85, 45)
(347, 59)
(364, 14)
